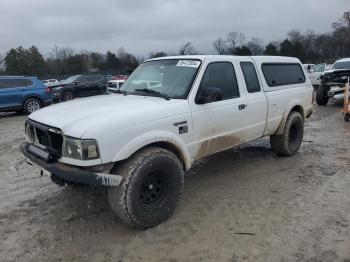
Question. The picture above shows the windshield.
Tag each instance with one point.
(341, 65)
(321, 67)
(69, 80)
(170, 78)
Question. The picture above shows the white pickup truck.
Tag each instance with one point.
(141, 141)
(314, 74)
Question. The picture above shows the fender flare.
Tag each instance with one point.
(292, 107)
(153, 137)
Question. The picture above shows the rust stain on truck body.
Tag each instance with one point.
(217, 144)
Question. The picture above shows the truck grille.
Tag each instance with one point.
(45, 136)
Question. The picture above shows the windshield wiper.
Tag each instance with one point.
(153, 92)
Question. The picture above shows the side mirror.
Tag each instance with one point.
(208, 95)
(77, 82)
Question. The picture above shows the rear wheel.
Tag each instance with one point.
(67, 95)
(321, 96)
(288, 143)
(31, 105)
(153, 182)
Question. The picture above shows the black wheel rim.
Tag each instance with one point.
(153, 188)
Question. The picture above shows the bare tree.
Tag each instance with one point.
(295, 36)
(341, 35)
(187, 49)
(235, 39)
(256, 46)
(157, 54)
(62, 53)
(220, 46)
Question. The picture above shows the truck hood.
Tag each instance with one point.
(76, 117)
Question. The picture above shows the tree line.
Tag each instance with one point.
(308, 46)
(65, 61)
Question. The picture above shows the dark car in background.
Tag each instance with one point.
(80, 86)
(23, 94)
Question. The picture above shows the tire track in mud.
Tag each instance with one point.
(311, 241)
(190, 218)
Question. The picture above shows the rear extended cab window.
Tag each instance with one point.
(280, 74)
(250, 77)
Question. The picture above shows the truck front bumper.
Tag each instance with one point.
(336, 92)
(68, 173)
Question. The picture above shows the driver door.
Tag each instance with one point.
(218, 125)
(81, 86)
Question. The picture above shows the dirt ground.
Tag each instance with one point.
(245, 204)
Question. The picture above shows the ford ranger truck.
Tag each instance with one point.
(169, 113)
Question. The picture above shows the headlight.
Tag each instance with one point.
(81, 149)
(57, 88)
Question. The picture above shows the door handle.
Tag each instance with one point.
(242, 106)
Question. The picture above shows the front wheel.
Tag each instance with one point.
(321, 96)
(288, 143)
(67, 95)
(31, 105)
(153, 182)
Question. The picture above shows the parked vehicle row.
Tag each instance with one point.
(170, 112)
(27, 94)
(328, 80)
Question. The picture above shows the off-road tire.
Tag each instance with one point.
(321, 96)
(152, 184)
(31, 105)
(67, 95)
(288, 143)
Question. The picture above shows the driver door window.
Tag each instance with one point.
(82, 80)
(221, 75)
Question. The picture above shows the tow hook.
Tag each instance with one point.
(58, 181)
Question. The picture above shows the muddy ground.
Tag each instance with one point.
(245, 204)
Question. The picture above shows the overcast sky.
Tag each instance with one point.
(143, 26)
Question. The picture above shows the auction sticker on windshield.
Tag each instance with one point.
(189, 63)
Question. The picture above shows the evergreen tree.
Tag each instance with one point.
(12, 61)
(271, 49)
(286, 48)
(21, 61)
(37, 63)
